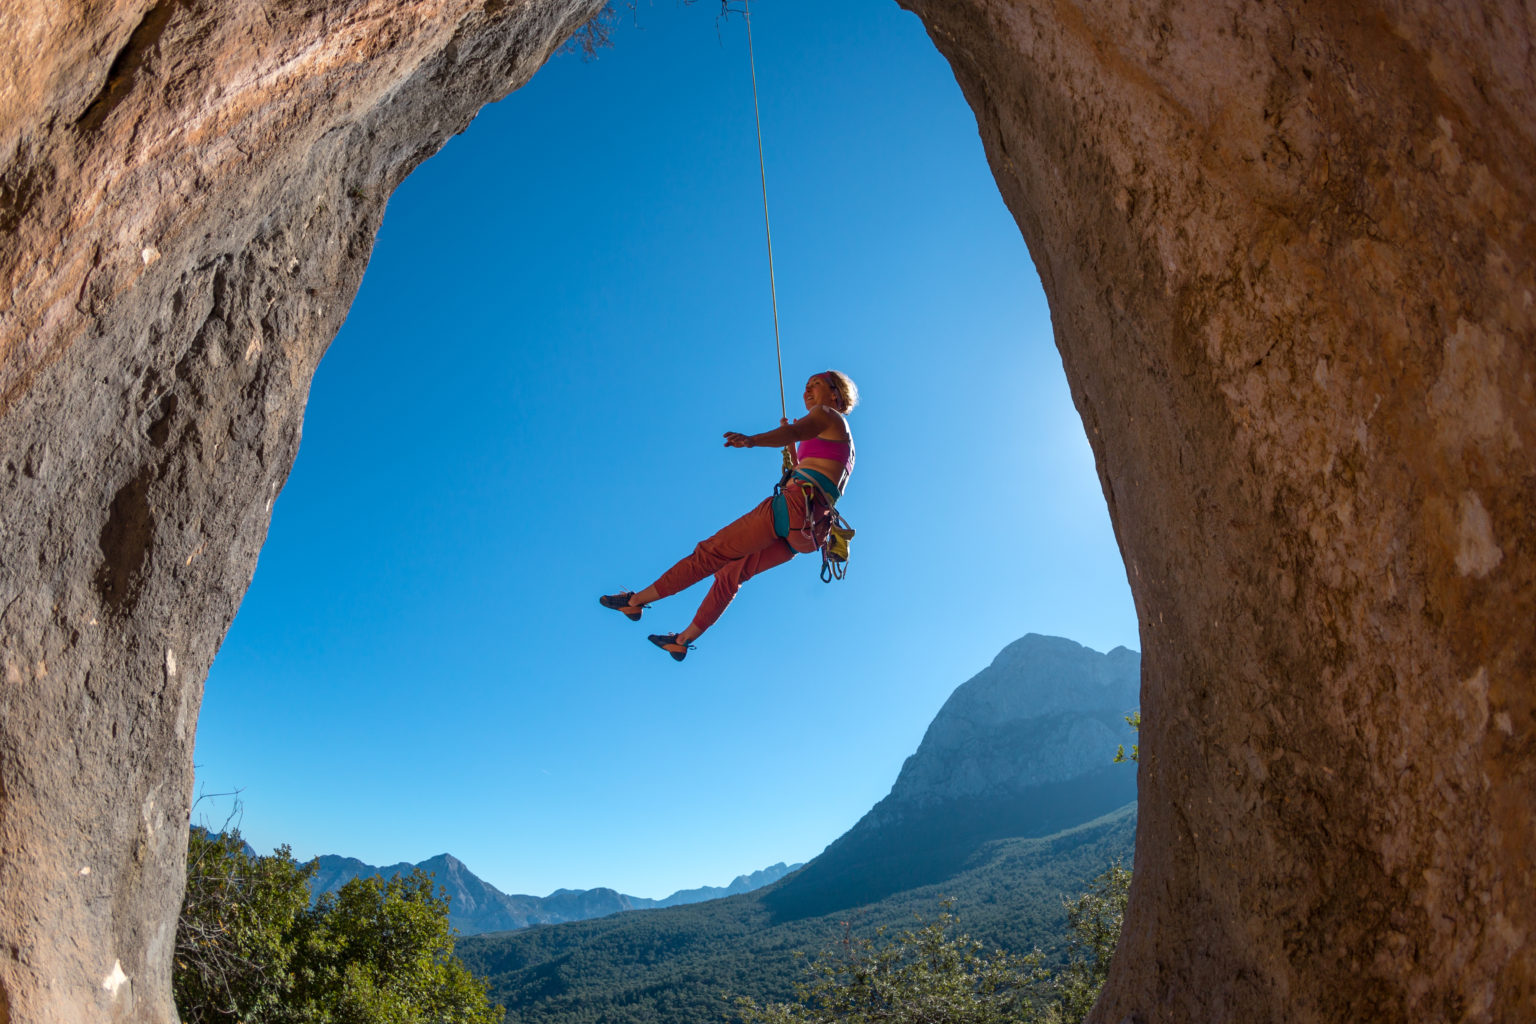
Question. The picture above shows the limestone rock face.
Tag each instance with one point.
(1289, 254)
(1291, 262)
(189, 192)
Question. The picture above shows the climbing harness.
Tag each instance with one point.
(822, 526)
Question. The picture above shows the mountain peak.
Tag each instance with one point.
(1039, 675)
(1023, 748)
(1046, 710)
(475, 905)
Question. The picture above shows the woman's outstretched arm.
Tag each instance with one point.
(815, 422)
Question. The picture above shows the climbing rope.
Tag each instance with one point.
(773, 292)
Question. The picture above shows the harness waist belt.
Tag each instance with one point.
(820, 481)
(780, 504)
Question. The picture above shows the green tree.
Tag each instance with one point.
(1094, 919)
(933, 975)
(250, 949)
(938, 975)
(381, 952)
(234, 948)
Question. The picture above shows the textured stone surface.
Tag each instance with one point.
(189, 192)
(1289, 256)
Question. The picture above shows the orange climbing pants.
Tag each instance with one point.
(733, 555)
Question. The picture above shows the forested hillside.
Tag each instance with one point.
(1010, 805)
(683, 965)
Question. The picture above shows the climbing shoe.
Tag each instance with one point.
(620, 603)
(669, 643)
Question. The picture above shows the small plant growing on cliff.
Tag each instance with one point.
(1134, 721)
(596, 33)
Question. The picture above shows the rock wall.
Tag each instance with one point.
(189, 192)
(1289, 256)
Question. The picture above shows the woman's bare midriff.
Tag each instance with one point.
(826, 467)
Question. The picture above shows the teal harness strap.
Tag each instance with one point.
(821, 481)
(780, 504)
(780, 508)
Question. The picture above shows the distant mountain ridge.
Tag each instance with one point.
(738, 885)
(476, 906)
(1024, 748)
(675, 965)
(1011, 803)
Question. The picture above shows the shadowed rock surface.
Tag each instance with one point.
(189, 193)
(1290, 261)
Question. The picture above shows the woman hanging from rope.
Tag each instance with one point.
(791, 521)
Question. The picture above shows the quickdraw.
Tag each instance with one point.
(834, 550)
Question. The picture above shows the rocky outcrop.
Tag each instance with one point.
(1047, 710)
(1291, 267)
(188, 196)
(1290, 263)
(1024, 748)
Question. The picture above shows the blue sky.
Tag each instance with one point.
(565, 310)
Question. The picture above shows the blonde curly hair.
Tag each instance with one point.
(844, 387)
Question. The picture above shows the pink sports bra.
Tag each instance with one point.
(823, 448)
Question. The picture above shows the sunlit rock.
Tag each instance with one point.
(188, 196)
(1289, 257)
(1288, 252)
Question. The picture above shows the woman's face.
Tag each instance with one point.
(819, 392)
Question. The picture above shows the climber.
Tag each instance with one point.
(766, 536)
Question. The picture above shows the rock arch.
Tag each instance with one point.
(1289, 257)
